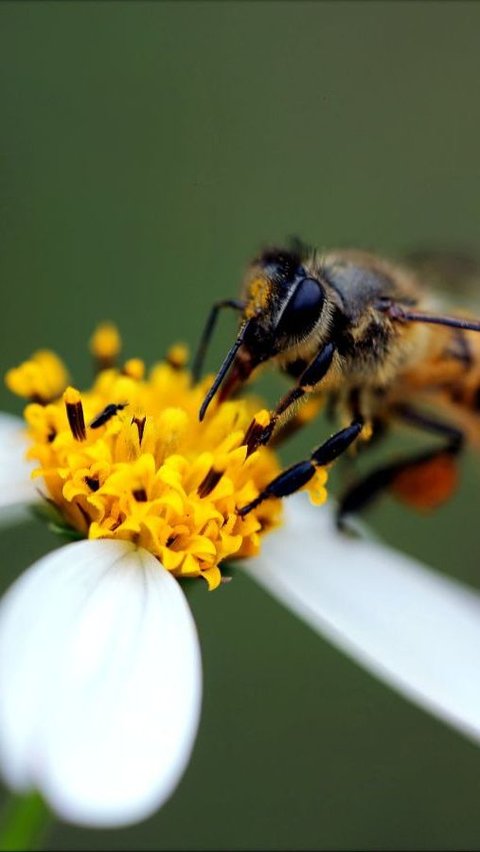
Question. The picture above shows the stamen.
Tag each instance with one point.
(208, 483)
(76, 419)
(140, 424)
(140, 495)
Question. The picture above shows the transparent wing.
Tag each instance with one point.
(452, 274)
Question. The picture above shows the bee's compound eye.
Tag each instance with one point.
(303, 309)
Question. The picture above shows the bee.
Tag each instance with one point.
(366, 336)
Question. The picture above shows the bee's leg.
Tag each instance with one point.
(305, 414)
(313, 373)
(454, 435)
(208, 331)
(298, 475)
(424, 480)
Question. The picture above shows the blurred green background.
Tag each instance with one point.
(147, 151)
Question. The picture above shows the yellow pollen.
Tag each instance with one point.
(262, 418)
(258, 295)
(129, 459)
(367, 431)
(316, 488)
(71, 396)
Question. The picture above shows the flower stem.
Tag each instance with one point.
(23, 823)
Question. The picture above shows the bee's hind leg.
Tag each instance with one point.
(424, 480)
(298, 475)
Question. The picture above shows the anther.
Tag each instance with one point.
(92, 482)
(208, 483)
(140, 424)
(74, 408)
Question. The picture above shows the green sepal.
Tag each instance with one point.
(24, 822)
(48, 513)
(66, 532)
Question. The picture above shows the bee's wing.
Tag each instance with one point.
(455, 275)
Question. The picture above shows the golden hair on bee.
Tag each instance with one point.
(364, 334)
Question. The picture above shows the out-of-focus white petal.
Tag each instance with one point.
(414, 628)
(17, 489)
(100, 682)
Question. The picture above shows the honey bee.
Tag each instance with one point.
(366, 336)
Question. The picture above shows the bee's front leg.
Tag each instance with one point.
(258, 433)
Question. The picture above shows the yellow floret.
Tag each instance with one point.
(42, 378)
(129, 459)
(106, 344)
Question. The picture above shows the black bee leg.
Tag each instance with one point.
(298, 475)
(313, 373)
(423, 480)
(208, 331)
(454, 436)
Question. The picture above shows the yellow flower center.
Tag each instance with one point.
(129, 458)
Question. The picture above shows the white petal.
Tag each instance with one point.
(16, 487)
(100, 682)
(412, 627)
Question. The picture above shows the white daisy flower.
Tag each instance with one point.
(100, 668)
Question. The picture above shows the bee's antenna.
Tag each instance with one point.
(397, 312)
(208, 330)
(223, 370)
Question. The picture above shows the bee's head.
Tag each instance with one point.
(283, 305)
